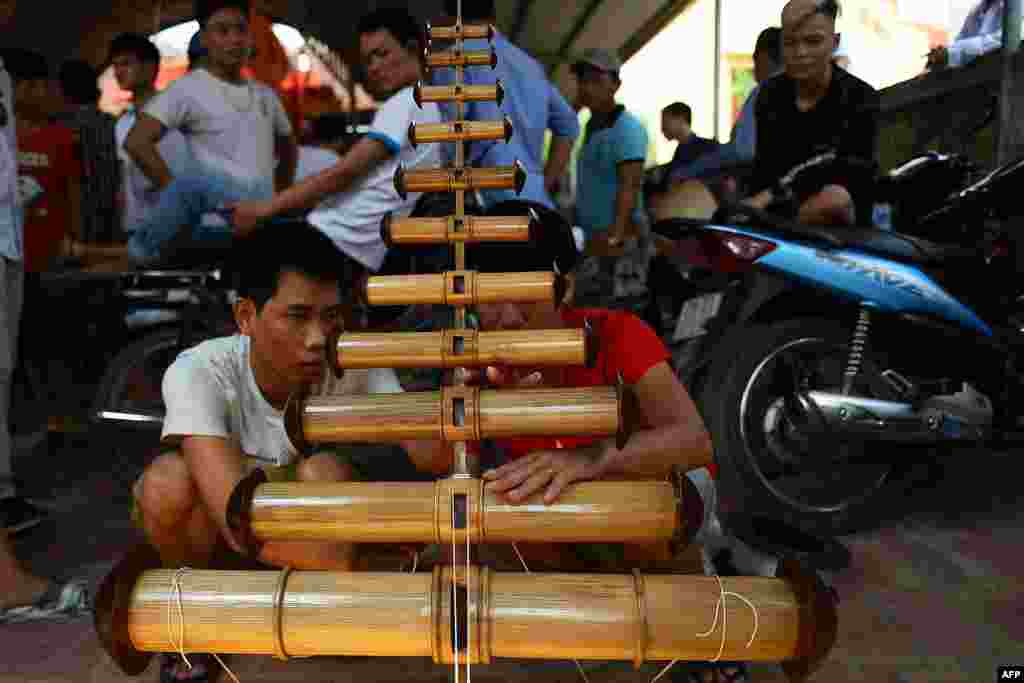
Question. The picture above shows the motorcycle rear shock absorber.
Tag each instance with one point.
(858, 346)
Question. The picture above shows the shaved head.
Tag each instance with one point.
(809, 39)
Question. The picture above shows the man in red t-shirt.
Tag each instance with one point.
(672, 434)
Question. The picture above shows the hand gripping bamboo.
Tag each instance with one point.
(635, 618)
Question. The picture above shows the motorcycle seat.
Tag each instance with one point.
(893, 245)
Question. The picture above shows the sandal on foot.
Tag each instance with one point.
(173, 669)
(60, 602)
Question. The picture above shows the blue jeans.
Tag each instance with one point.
(177, 219)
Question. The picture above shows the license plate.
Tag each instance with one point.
(695, 315)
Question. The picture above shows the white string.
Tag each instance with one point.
(527, 570)
(469, 625)
(719, 604)
(455, 605)
(177, 589)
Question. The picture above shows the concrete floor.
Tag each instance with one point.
(935, 595)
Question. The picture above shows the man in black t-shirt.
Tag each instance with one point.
(815, 108)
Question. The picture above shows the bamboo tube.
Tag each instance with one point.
(463, 348)
(458, 93)
(534, 616)
(456, 58)
(464, 288)
(459, 179)
(460, 131)
(359, 512)
(461, 31)
(455, 414)
(418, 231)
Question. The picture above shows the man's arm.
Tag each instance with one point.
(558, 160)
(360, 160)
(141, 146)
(630, 180)
(217, 468)
(286, 148)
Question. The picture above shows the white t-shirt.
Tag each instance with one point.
(352, 218)
(210, 390)
(231, 128)
(313, 160)
(139, 196)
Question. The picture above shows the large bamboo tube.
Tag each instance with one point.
(438, 60)
(360, 512)
(461, 31)
(464, 288)
(441, 230)
(536, 616)
(460, 131)
(463, 348)
(458, 93)
(459, 179)
(456, 414)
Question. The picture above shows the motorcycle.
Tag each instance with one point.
(837, 354)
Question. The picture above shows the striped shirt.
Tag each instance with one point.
(100, 173)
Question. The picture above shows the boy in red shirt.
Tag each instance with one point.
(48, 170)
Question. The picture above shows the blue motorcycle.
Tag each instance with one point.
(839, 353)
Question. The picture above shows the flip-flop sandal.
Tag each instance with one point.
(722, 672)
(174, 670)
(60, 602)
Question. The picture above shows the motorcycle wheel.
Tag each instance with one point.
(767, 467)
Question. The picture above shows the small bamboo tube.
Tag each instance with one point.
(453, 414)
(461, 348)
(418, 231)
(359, 512)
(461, 31)
(440, 60)
(459, 179)
(458, 93)
(460, 131)
(466, 288)
(634, 618)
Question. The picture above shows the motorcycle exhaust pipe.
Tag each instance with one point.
(821, 413)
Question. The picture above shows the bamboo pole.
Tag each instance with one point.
(459, 58)
(455, 414)
(422, 230)
(634, 618)
(461, 31)
(460, 131)
(459, 180)
(458, 93)
(462, 348)
(359, 512)
(462, 288)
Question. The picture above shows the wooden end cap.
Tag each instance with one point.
(239, 512)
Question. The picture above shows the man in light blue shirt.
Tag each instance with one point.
(981, 33)
(531, 102)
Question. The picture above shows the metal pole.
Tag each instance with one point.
(718, 65)
(1009, 134)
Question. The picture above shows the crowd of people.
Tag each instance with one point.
(213, 162)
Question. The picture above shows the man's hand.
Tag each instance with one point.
(551, 471)
(248, 215)
(938, 57)
(759, 201)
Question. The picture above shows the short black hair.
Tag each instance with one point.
(769, 43)
(551, 246)
(830, 8)
(135, 44)
(272, 250)
(79, 81)
(679, 109)
(472, 10)
(204, 9)
(25, 65)
(396, 21)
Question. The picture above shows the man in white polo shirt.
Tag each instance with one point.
(352, 197)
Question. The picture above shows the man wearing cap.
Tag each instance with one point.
(532, 103)
(611, 162)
